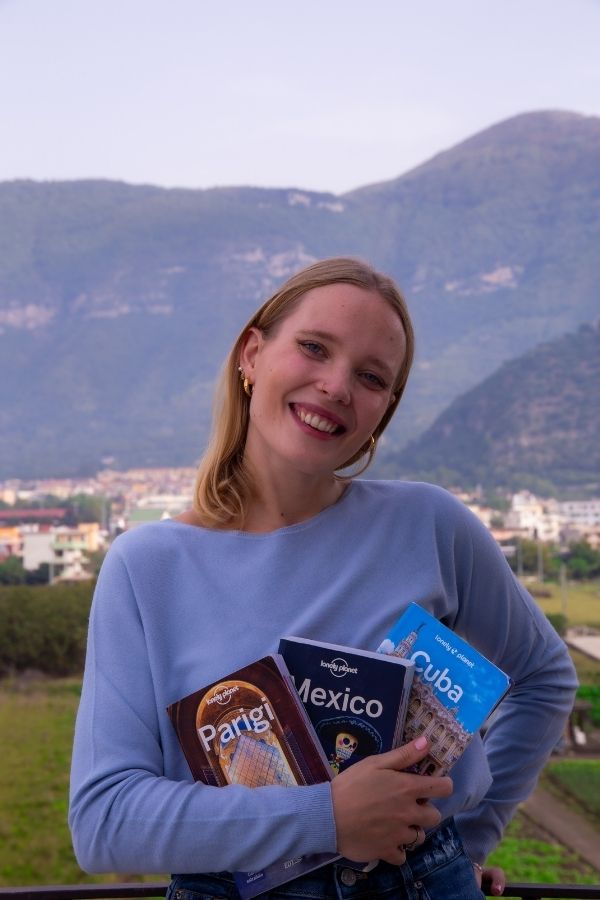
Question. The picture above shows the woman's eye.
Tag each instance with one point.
(373, 380)
(312, 347)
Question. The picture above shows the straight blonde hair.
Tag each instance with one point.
(223, 487)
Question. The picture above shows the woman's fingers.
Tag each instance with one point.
(496, 879)
(380, 809)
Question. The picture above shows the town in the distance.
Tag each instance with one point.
(59, 529)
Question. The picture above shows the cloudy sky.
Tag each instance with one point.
(319, 94)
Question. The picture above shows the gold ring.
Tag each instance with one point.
(414, 843)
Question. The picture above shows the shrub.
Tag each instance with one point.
(559, 621)
(44, 627)
(591, 693)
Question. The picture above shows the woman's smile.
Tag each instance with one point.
(317, 420)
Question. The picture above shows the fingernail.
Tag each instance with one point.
(421, 743)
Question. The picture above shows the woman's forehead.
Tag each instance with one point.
(348, 313)
(342, 302)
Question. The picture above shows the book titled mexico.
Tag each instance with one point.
(455, 688)
(355, 699)
(250, 728)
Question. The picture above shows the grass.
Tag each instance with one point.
(588, 670)
(36, 733)
(580, 603)
(579, 779)
(527, 858)
(36, 724)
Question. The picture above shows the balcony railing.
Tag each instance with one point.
(518, 889)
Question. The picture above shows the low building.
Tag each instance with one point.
(64, 550)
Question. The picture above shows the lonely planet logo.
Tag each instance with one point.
(339, 667)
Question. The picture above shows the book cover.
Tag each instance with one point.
(251, 728)
(455, 688)
(354, 698)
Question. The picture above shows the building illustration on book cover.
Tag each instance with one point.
(248, 728)
(454, 689)
(243, 738)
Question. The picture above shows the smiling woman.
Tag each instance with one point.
(282, 541)
(336, 313)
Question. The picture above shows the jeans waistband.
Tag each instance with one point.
(339, 881)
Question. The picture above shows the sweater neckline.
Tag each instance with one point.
(257, 535)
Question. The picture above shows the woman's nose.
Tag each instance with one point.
(337, 387)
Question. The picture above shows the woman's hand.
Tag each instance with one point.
(379, 808)
(493, 878)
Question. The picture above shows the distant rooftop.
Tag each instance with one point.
(34, 514)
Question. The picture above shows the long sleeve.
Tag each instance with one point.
(126, 815)
(498, 616)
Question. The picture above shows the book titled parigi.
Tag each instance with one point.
(251, 728)
(455, 688)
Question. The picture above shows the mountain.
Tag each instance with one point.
(118, 303)
(535, 423)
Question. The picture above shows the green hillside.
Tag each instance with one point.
(535, 423)
(118, 303)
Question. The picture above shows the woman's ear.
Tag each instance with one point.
(251, 347)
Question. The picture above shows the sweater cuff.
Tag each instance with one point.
(315, 820)
(478, 841)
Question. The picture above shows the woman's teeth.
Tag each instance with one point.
(316, 422)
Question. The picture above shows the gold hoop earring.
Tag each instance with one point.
(248, 386)
(370, 451)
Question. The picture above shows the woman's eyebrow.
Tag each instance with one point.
(328, 336)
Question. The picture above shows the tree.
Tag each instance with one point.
(12, 571)
(582, 561)
(534, 555)
(87, 508)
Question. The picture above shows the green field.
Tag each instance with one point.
(36, 733)
(580, 601)
(36, 727)
(579, 780)
(529, 859)
(525, 858)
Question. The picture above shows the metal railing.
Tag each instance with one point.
(518, 889)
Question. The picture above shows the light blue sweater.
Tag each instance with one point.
(177, 607)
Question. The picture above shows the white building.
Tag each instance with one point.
(64, 550)
(553, 520)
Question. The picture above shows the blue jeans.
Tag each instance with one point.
(437, 870)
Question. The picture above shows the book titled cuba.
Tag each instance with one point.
(455, 688)
(251, 728)
(356, 699)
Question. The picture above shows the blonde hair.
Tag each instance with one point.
(223, 486)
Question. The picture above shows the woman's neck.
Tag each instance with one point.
(275, 505)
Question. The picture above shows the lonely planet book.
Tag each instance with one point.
(455, 688)
(356, 704)
(250, 728)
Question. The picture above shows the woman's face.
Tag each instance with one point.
(322, 379)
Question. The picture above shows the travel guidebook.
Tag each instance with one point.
(251, 728)
(356, 704)
(355, 699)
(455, 688)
